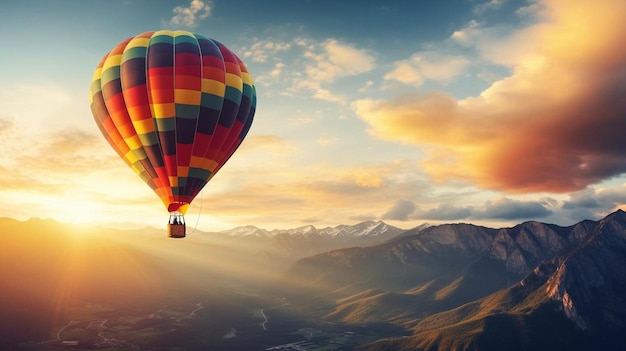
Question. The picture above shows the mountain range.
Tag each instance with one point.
(291, 244)
(533, 286)
(369, 286)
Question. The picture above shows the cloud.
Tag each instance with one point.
(269, 51)
(67, 175)
(509, 209)
(317, 66)
(586, 199)
(467, 35)
(593, 203)
(488, 6)
(59, 158)
(554, 125)
(500, 209)
(322, 93)
(191, 15)
(400, 211)
(444, 212)
(278, 68)
(262, 50)
(427, 65)
(369, 84)
(405, 73)
(328, 61)
(339, 60)
(351, 181)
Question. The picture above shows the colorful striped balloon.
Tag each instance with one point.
(175, 106)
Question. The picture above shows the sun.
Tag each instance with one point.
(78, 211)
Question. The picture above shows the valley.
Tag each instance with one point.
(243, 325)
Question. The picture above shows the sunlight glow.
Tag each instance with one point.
(78, 211)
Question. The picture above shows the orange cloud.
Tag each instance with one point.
(555, 125)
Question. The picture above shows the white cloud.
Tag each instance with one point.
(366, 86)
(278, 68)
(440, 67)
(190, 16)
(488, 6)
(406, 73)
(307, 66)
(327, 95)
(467, 35)
(329, 61)
(338, 60)
(428, 65)
(262, 50)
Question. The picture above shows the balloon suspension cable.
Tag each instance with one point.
(197, 218)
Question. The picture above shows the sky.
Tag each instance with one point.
(492, 112)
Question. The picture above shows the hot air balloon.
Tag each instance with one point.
(175, 106)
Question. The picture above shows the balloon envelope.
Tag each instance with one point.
(175, 106)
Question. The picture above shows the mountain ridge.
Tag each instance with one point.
(366, 228)
(460, 286)
(295, 243)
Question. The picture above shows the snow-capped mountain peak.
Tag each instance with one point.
(247, 231)
(309, 240)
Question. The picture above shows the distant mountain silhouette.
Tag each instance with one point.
(534, 286)
(296, 243)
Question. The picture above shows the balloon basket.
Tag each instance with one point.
(176, 226)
